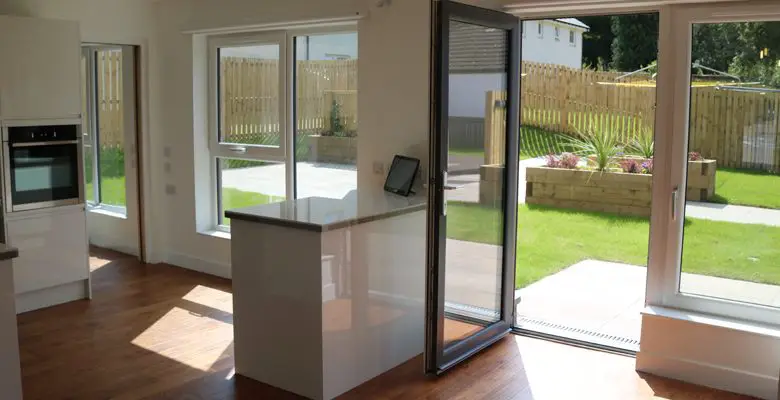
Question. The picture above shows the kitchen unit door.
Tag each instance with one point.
(40, 68)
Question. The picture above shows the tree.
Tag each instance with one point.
(636, 41)
(597, 42)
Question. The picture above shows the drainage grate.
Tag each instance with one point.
(585, 335)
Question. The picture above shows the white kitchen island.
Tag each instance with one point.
(327, 293)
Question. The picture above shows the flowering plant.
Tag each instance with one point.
(630, 166)
(565, 161)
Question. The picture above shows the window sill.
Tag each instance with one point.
(713, 320)
(109, 212)
(216, 234)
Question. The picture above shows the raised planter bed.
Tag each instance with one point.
(333, 149)
(613, 192)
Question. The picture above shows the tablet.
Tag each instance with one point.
(400, 177)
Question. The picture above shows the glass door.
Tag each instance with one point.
(473, 196)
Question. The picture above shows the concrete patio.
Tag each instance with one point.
(591, 300)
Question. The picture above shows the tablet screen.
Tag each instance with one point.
(401, 176)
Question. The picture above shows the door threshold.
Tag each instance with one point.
(552, 336)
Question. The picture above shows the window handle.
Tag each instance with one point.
(675, 192)
(238, 149)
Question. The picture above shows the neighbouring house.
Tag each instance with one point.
(477, 65)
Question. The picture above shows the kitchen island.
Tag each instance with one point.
(10, 378)
(327, 293)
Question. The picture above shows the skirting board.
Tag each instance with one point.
(198, 264)
(52, 296)
(712, 376)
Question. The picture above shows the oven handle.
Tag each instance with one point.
(37, 144)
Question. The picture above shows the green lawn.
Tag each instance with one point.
(745, 187)
(550, 240)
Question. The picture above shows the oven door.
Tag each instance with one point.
(42, 174)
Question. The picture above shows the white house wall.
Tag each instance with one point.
(467, 93)
(546, 49)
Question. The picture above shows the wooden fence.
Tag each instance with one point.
(738, 129)
(249, 90)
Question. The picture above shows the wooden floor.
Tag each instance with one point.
(160, 332)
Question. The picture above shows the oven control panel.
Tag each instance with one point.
(43, 133)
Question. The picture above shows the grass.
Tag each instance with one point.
(749, 188)
(550, 240)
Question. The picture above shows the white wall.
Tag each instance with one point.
(467, 93)
(546, 49)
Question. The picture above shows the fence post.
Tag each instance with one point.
(495, 119)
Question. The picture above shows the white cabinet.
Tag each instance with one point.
(40, 63)
(53, 249)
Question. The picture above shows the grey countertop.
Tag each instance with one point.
(322, 214)
(8, 252)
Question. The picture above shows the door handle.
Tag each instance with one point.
(675, 193)
(238, 149)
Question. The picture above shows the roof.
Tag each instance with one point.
(476, 48)
(573, 22)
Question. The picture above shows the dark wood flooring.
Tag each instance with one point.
(161, 332)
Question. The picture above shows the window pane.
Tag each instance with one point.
(732, 224)
(243, 183)
(326, 114)
(110, 135)
(249, 95)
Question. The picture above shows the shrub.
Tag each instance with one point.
(602, 145)
(630, 166)
(643, 145)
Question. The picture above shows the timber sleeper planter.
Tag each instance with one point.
(333, 149)
(613, 192)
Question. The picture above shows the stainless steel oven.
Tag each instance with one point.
(42, 166)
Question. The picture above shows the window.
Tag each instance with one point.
(572, 37)
(557, 33)
(103, 111)
(248, 137)
(267, 144)
(539, 29)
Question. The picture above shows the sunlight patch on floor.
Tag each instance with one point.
(210, 297)
(190, 338)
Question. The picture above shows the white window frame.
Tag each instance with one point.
(285, 152)
(666, 232)
(572, 37)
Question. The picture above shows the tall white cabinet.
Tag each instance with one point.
(40, 68)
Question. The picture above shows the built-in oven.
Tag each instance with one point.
(42, 166)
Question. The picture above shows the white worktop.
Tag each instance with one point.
(322, 214)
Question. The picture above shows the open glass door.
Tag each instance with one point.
(472, 233)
